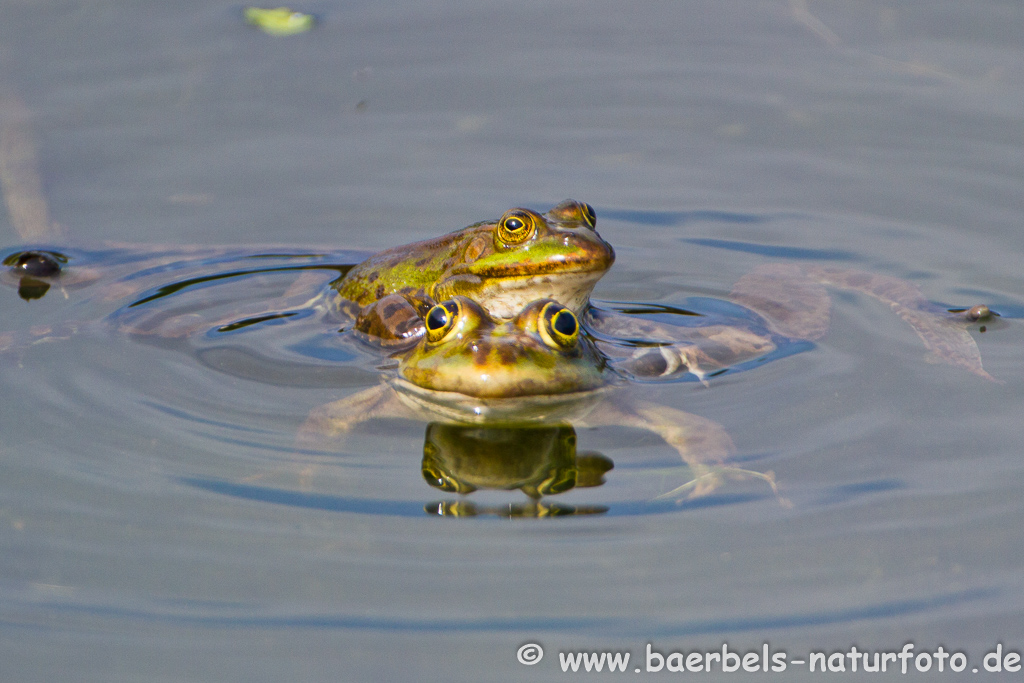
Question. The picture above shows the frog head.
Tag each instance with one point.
(541, 351)
(526, 256)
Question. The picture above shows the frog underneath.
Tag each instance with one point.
(538, 368)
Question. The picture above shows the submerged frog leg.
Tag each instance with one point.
(335, 419)
(944, 334)
(703, 444)
(15, 344)
(793, 304)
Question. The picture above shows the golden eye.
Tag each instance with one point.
(559, 326)
(441, 319)
(440, 479)
(588, 214)
(516, 226)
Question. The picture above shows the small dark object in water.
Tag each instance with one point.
(978, 312)
(975, 313)
(34, 263)
(35, 268)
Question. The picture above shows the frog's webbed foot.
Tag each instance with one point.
(713, 476)
(646, 349)
(943, 332)
(15, 344)
(793, 301)
(946, 337)
(656, 362)
(335, 419)
(703, 444)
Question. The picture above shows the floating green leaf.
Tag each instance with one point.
(280, 21)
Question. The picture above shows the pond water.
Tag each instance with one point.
(158, 521)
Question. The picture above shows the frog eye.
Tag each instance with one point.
(516, 226)
(438, 478)
(441, 319)
(558, 481)
(588, 214)
(559, 326)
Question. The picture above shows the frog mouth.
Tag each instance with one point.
(569, 265)
(505, 297)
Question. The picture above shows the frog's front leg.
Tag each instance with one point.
(393, 321)
(703, 444)
(648, 349)
(337, 418)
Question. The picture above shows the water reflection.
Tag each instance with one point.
(537, 460)
(535, 508)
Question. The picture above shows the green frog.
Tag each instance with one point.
(503, 265)
(537, 368)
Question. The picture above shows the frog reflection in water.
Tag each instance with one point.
(537, 460)
(536, 369)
